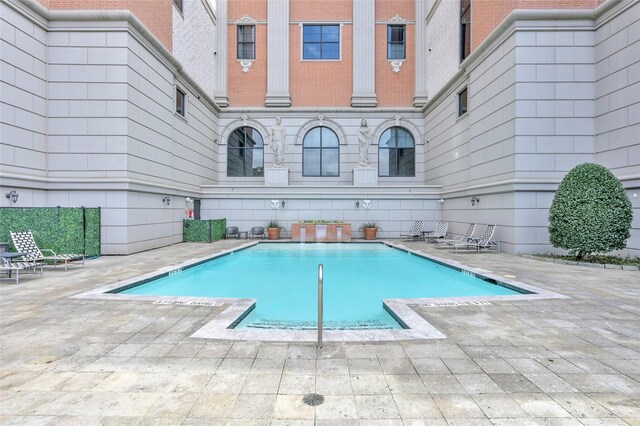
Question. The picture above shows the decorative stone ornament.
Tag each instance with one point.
(246, 20)
(246, 65)
(397, 20)
(396, 64)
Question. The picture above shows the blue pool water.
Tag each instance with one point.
(284, 277)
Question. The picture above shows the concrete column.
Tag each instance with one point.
(221, 97)
(278, 54)
(420, 96)
(364, 54)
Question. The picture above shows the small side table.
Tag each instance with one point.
(10, 255)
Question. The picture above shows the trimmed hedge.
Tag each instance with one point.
(61, 229)
(590, 213)
(203, 230)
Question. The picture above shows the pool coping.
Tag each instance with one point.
(237, 308)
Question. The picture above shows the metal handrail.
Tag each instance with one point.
(320, 302)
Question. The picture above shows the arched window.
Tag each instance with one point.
(320, 153)
(245, 153)
(396, 153)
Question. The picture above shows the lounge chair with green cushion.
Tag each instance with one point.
(24, 242)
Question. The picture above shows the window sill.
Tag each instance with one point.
(462, 117)
(181, 117)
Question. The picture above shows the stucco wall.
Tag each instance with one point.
(554, 92)
(194, 41)
(112, 138)
(617, 92)
(23, 94)
(532, 117)
(443, 44)
(617, 104)
(394, 209)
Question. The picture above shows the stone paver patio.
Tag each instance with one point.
(572, 361)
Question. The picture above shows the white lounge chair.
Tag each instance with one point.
(485, 242)
(416, 231)
(25, 243)
(445, 243)
(438, 233)
(13, 269)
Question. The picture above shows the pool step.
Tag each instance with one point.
(327, 325)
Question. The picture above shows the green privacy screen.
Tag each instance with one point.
(203, 231)
(61, 229)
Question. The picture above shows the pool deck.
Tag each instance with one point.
(557, 361)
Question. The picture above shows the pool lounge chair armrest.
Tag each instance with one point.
(53, 253)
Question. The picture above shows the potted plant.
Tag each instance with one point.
(273, 229)
(370, 229)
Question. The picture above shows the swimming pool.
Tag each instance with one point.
(357, 278)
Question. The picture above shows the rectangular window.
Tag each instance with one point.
(321, 42)
(178, 4)
(396, 42)
(246, 41)
(180, 101)
(465, 29)
(462, 102)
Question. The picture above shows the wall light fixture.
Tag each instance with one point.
(13, 196)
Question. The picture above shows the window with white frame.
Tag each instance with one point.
(320, 42)
(396, 42)
(246, 42)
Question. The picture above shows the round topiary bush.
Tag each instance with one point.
(590, 213)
